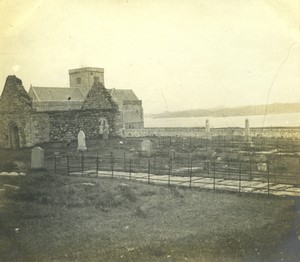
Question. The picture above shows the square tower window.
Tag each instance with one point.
(78, 80)
(96, 79)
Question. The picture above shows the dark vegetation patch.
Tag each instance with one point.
(83, 219)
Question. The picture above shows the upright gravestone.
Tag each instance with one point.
(247, 131)
(81, 142)
(207, 130)
(146, 147)
(37, 158)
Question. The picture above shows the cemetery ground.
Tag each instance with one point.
(52, 217)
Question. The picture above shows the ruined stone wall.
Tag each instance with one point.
(33, 128)
(40, 128)
(23, 123)
(15, 110)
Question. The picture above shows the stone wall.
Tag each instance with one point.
(280, 132)
(15, 112)
(40, 128)
(65, 125)
(23, 124)
(99, 98)
(133, 115)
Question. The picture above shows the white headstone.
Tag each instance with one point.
(262, 167)
(146, 146)
(81, 142)
(37, 158)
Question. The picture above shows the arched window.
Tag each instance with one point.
(14, 135)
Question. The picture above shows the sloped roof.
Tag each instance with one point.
(123, 94)
(74, 94)
(42, 106)
(55, 94)
(68, 98)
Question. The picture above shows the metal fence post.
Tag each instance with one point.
(214, 175)
(148, 171)
(112, 164)
(82, 164)
(228, 170)
(208, 173)
(97, 164)
(169, 177)
(54, 164)
(268, 169)
(139, 163)
(250, 169)
(124, 162)
(130, 169)
(191, 173)
(240, 177)
(274, 171)
(68, 164)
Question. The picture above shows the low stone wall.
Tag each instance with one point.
(271, 132)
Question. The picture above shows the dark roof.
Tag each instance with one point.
(56, 105)
(55, 94)
(66, 98)
(123, 94)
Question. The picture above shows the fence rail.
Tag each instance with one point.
(240, 176)
(258, 143)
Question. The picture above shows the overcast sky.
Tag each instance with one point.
(193, 53)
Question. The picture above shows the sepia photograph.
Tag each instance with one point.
(149, 131)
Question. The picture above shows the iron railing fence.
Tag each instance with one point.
(242, 176)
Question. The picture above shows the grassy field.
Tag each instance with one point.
(58, 218)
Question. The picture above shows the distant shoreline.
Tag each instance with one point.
(276, 108)
(284, 120)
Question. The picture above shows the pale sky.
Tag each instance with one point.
(195, 53)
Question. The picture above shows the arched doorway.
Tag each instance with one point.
(14, 138)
